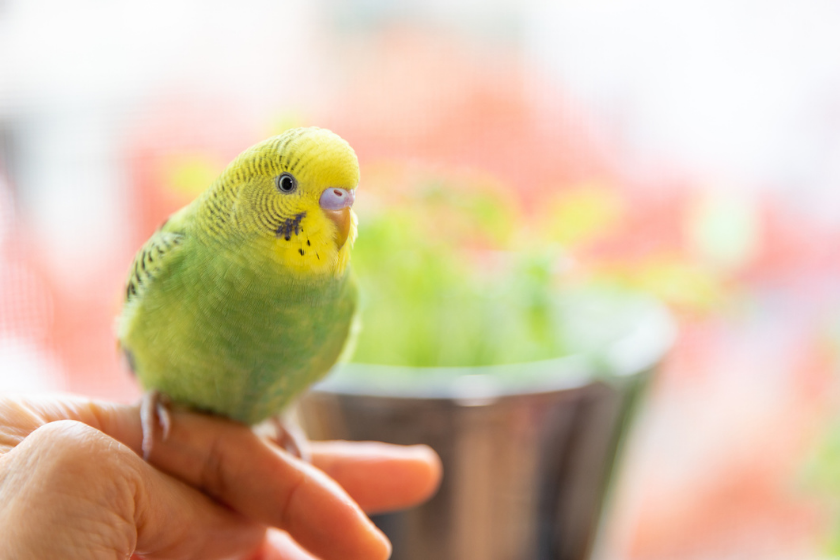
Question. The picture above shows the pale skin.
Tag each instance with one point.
(73, 485)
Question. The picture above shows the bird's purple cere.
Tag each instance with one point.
(334, 198)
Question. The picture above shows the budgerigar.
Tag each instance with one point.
(244, 298)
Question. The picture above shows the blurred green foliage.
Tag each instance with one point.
(821, 478)
(444, 285)
(455, 273)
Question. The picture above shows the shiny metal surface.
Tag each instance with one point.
(527, 464)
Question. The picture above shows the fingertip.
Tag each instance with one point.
(383, 545)
(379, 476)
(429, 472)
(415, 473)
(377, 546)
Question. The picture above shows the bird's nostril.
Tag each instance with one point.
(338, 192)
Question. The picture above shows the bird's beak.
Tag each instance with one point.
(336, 205)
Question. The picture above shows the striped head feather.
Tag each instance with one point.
(290, 195)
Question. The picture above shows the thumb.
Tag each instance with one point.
(95, 499)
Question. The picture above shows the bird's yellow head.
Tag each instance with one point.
(291, 195)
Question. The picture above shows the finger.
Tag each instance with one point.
(230, 463)
(380, 477)
(20, 416)
(95, 498)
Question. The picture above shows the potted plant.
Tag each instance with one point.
(480, 340)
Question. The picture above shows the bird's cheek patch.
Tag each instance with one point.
(290, 226)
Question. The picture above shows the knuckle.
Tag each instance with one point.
(75, 447)
(66, 439)
(72, 457)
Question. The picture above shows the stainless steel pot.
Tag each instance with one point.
(528, 450)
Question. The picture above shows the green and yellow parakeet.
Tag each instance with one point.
(244, 298)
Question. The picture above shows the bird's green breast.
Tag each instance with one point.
(227, 331)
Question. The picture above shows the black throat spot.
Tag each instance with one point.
(290, 226)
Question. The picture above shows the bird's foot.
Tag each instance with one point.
(289, 437)
(154, 412)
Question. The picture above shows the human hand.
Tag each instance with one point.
(72, 485)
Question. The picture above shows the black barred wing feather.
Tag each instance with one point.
(151, 260)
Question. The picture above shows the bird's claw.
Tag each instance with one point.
(290, 438)
(154, 411)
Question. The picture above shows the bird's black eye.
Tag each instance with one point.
(286, 183)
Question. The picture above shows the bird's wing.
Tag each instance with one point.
(154, 257)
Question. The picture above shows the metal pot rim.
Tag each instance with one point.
(636, 351)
